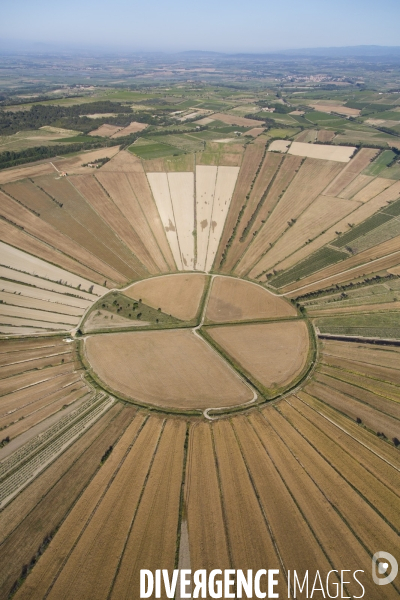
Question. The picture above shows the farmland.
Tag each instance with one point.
(199, 329)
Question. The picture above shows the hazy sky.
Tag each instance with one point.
(221, 25)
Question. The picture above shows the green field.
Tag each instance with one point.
(154, 150)
(380, 163)
(362, 229)
(383, 325)
(317, 261)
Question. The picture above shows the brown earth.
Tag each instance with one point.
(176, 295)
(250, 163)
(152, 539)
(357, 164)
(70, 531)
(207, 537)
(143, 365)
(273, 353)
(237, 300)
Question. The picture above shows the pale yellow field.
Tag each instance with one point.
(279, 146)
(338, 153)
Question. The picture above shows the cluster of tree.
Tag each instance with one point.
(347, 286)
(279, 108)
(73, 117)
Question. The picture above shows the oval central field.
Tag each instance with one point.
(167, 368)
(239, 344)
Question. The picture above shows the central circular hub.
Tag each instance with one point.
(192, 341)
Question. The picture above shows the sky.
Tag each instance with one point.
(216, 25)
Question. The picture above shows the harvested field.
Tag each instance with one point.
(362, 213)
(206, 177)
(236, 300)
(378, 372)
(15, 236)
(377, 186)
(177, 295)
(341, 154)
(43, 305)
(251, 161)
(308, 135)
(141, 188)
(274, 354)
(369, 353)
(279, 146)
(224, 188)
(73, 202)
(287, 170)
(54, 213)
(53, 405)
(297, 545)
(75, 164)
(262, 184)
(373, 419)
(305, 187)
(158, 513)
(324, 212)
(377, 494)
(356, 186)
(103, 319)
(71, 530)
(21, 261)
(162, 196)
(324, 135)
(337, 108)
(208, 543)
(314, 484)
(92, 191)
(20, 292)
(12, 384)
(235, 120)
(351, 170)
(255, 132)
(373, 260)
(36, 315)
(134, 127)
(358, 393)
(126, 362)
(181, 187)
(91, 566)
(370, 442)
(117, 186)
(105, 130)
(37, 227)
(52, 506)
(15, 173)
(123, 162)
(249, 537)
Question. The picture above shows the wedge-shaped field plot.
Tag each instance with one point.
(177, 295)
(205, 187)
(165, 368)
(272, 354)
(160, 189)
(237, 300)
(174, 196)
